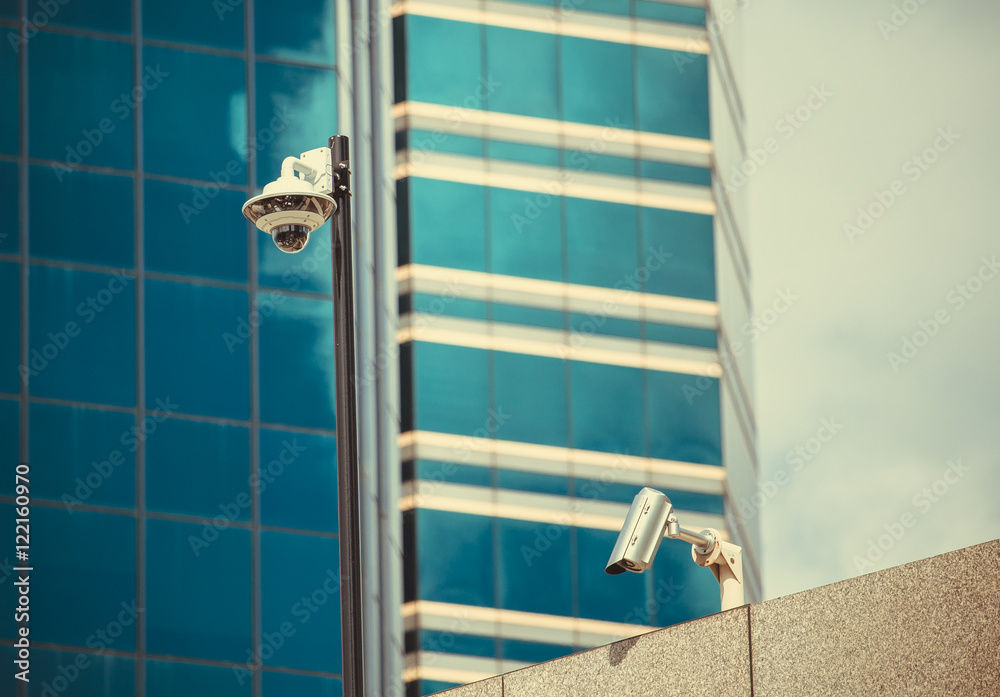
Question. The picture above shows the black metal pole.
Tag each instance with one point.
(345, 376)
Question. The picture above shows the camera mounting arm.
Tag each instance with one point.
(651, 517)
(314, 166)
(725, 559)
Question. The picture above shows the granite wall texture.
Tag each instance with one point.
(927, 628)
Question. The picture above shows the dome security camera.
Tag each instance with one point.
(292, 206)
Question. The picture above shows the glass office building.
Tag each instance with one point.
(550, 283)
(165, 370)
(572, 284)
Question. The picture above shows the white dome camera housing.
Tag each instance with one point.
(291, 207)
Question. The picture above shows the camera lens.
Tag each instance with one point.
(290, 238)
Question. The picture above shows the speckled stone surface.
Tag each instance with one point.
(484, 688)
(927, 628)
(707, 657)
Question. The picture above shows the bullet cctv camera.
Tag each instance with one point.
(641, 533)
(293, 206)
(649, 518)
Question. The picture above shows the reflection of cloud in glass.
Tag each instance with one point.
(238, 123)
(306, 101)
(300, 31)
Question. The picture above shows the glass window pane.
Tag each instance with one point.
(105, 239)
(520, 152)
(82, 336)
(296, 112)
(587, 159)
(451, 392)
(195, 231)
(431, 687)
(603, 490)
(684, 418)
(172, 678)
(537, 415)
(528, 481)
(218, 24)
(597, 82)
(80, 101)
(447, 221)
(620, 598)
(434, 472)
(531, 651)
(683, 589)
(92, 461)
(455, 642)
(650, 9)
(532, 316)
(535, 573)
(9, 180)
(300, 590)
(425, 142)
(8, 591)
(673, 334)
(285, 684)
(298, 480)
(104, 675)
(296, 360)
(602, 242)
(454, 557)
(302, 31)
(600, 323)
(680, 253)
(213, 623)
(208, 370)
(217, 456)
(607, 408)
(96, 551)
(10, 118)
(433, 73)
(10, 421)
(207, 143)
(673, 92)
(522, 64)
(695, 501)
(113, 16)
(11, 370)
(525, 234)
(428, 307)
(669, 171)
(617, 7)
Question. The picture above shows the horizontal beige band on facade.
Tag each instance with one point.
(552, 181)
(555, 295)
(459, 668)
(561, 511)
(609, 138)
(568, 462)
(563, 22)
(514, 624)
(559, 344)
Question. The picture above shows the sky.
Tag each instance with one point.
(883, 367)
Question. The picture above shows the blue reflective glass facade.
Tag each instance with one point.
(549, 278)
(167, 377)
(564, 263)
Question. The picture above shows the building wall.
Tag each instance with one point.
(925, 628)
(564, 271)
(175, 394)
